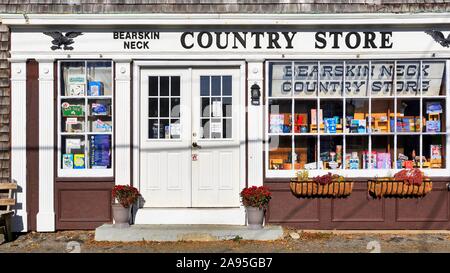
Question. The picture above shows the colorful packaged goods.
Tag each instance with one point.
(67, 161)
(69, 110)
(78, 161)
(383, 161)
(95, 88)
(100, 151)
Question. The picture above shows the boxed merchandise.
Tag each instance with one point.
(73, 110)
(73, 144)
(435, 156)
(67, 161)
(101, 126)
(383, 161)
(314, 117)
(100, 151)
(73, 125)
(353, 161)
(78, 161)
(330, 125)
(276, 123)
(75, 85)
(369, 161)
(99, 109)
(433, 125)
(75, 90)
(95, 88)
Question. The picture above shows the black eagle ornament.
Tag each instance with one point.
(439, 37)
(61, 41)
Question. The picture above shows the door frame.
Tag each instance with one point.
(198, 215)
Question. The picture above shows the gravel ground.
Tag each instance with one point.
(294, 241)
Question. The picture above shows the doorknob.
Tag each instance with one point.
(195, 145)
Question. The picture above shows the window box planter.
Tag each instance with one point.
(309, 188)
(389, 187)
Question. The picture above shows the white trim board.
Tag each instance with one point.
(227, 19)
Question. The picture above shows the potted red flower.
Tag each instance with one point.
(126, 196)
(255, 199)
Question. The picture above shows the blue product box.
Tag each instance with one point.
(99, 109)
(95, 88)
(330, 125)
(433, 126)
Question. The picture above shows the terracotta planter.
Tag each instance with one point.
(121, 216)
(255, 217)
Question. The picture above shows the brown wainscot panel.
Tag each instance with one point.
(357, 208)
(82, 205)
(359, 211)
(285, 208)
(434, 207)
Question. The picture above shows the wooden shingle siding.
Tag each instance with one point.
(222, 6)
(5, 92)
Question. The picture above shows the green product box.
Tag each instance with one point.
(72, 110)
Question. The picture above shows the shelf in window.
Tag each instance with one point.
(356, 134)
(98, 133)
(382, 133)
(433, 133)
(99, 97)
(280, 134)
(99, 116)
(305, 134)
(73, 134)
(73, 116)
(73, 97)
(408, 133)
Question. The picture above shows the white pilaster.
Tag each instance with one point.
(255, 124)
(46, 214)
(18, 141)
(123, 121)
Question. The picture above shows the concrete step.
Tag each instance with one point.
(108, 232)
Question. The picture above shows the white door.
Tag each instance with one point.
(165, 138)
(189, 134)
(215, 134)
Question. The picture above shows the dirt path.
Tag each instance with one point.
(83, 241)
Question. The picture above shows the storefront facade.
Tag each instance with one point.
(173, 109)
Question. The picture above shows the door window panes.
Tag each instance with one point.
(164, 107)
(216, 107)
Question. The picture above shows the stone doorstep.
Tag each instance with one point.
(108, 232)
(377, 231)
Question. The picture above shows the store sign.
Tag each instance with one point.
(355, 78)
(231, 41)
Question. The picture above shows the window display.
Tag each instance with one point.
(380, 114)
(85, 103)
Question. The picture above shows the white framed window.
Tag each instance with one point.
(356, 117)
(85, 118)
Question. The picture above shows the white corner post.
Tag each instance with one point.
(18, 141)
(255, 124)
(46, 215)
(123, 121)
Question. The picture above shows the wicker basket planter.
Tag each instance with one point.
(396, 188)
(338, 189)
